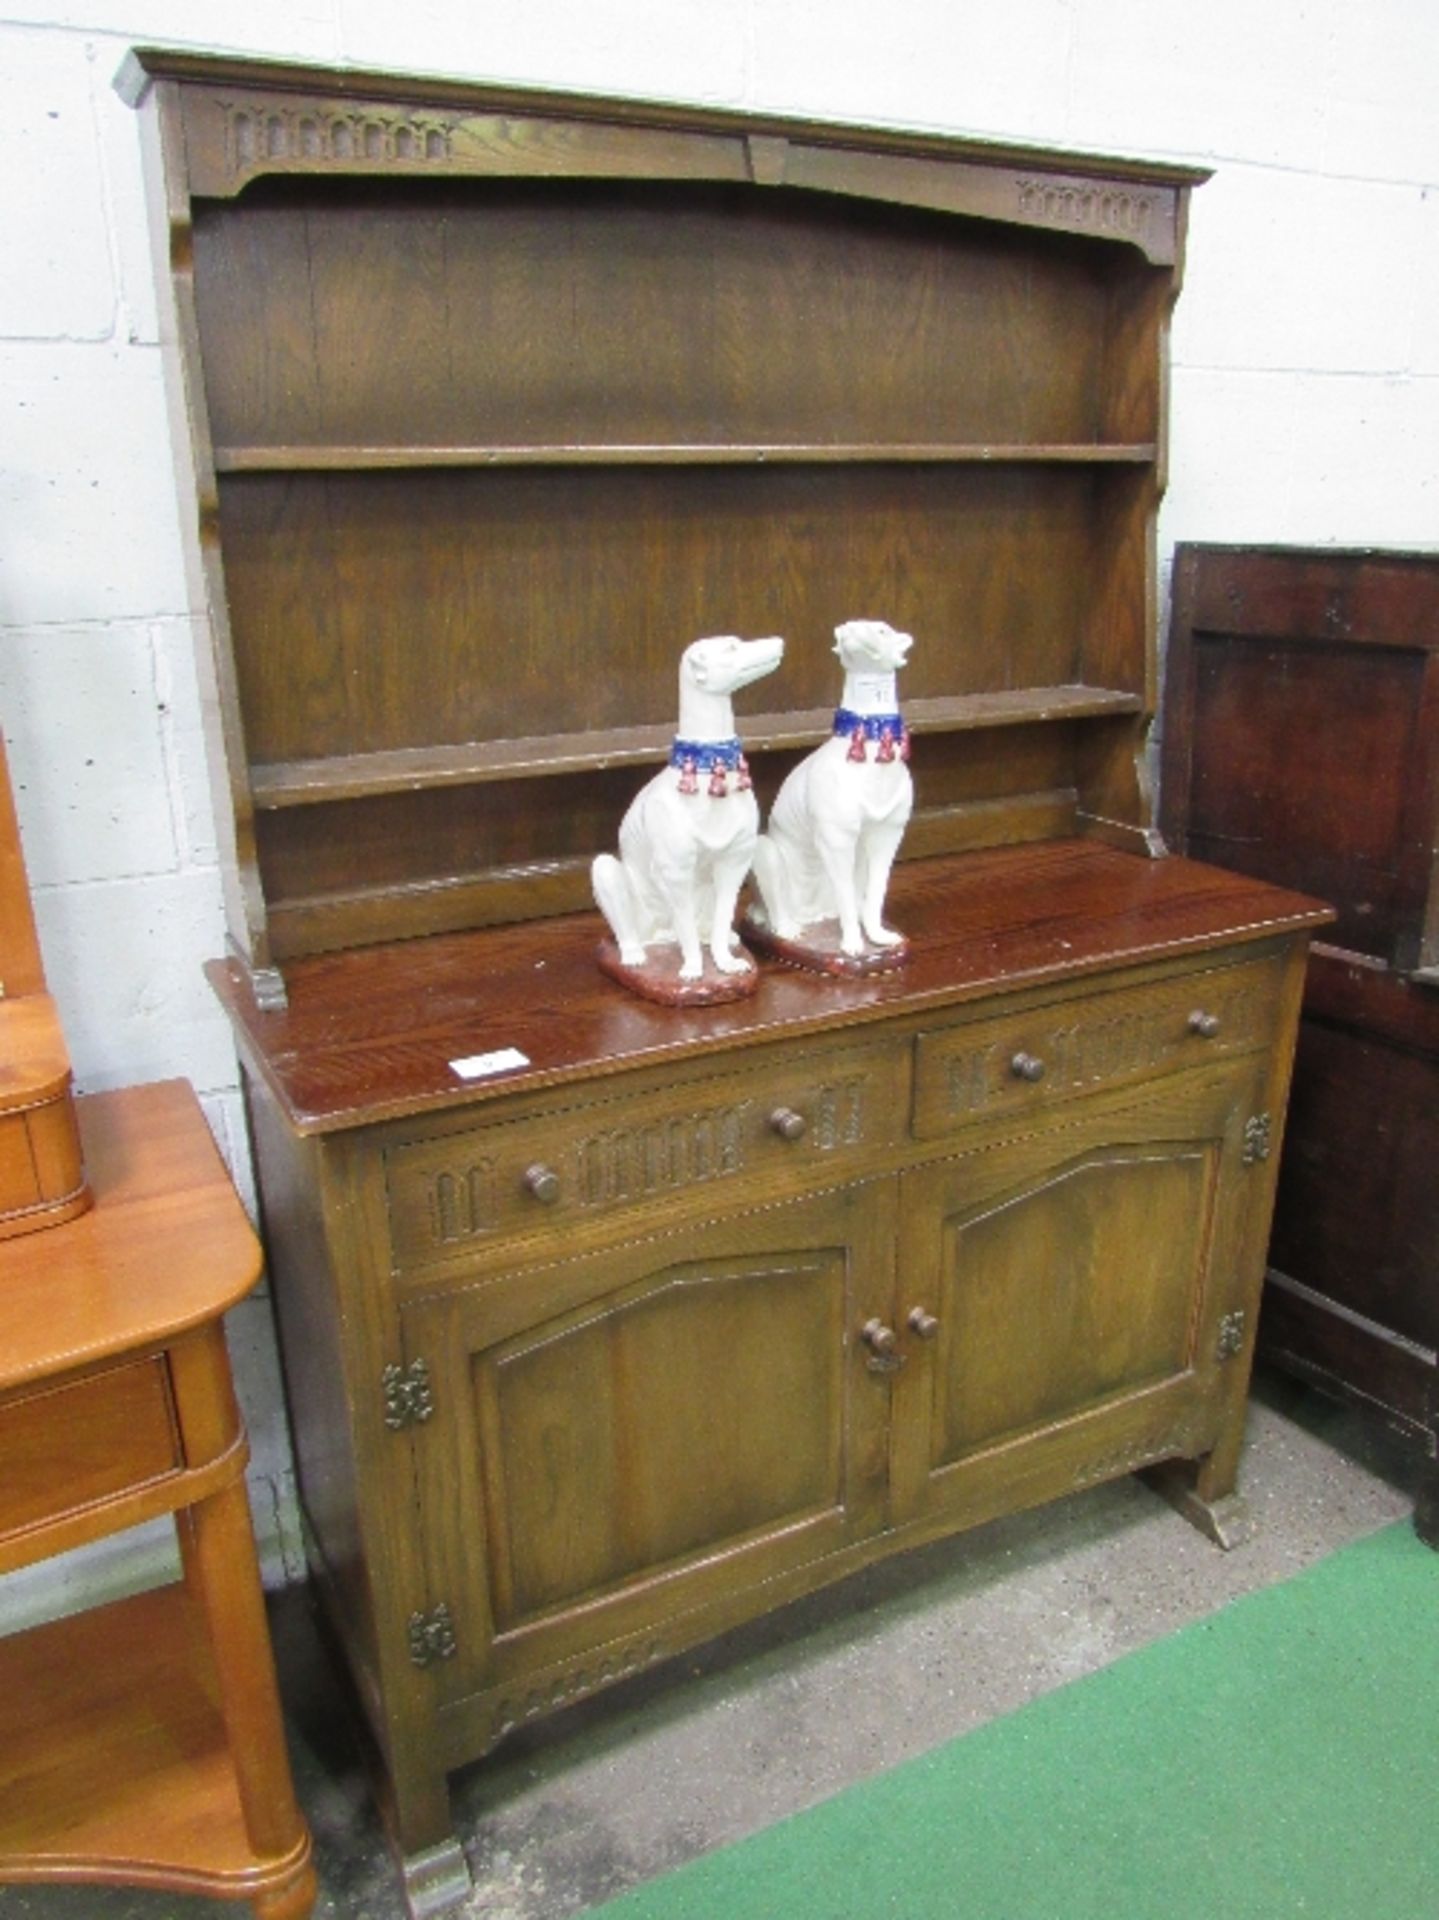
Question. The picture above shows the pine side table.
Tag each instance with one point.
(140, 1742)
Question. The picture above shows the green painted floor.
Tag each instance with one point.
(1278, 1759)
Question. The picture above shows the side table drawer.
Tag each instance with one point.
(462, 1190)
(73, 1446)
(1087, 1043)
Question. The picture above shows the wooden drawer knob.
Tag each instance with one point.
(788, 1124)
(1026, 1066)
(1206, 1025)
(878, 1337)
(543, 1182)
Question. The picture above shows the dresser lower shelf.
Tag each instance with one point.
(114, 1762)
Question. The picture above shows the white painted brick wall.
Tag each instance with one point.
(1305, 402)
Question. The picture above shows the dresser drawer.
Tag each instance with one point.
(576, 1161)
(1086, 1043)
(68, 1447)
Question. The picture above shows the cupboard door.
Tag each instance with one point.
(632, 1433)
(1062, 1298)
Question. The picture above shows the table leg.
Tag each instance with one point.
(223, 1574)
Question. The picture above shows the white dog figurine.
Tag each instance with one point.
(688, 837)
(839, 818)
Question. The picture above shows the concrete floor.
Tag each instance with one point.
(785, 1712)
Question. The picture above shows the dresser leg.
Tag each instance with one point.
(413, 1798)
(1205, 1497)
(436, 1881)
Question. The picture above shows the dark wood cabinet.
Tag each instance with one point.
(663, 1316)
(1302, 745)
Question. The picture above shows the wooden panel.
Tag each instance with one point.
(417, 840)
(1363, 598)
(1286, 790)
(634, 314)
(1099, 1261)
(380, 611)
(102, 1436)
(453, 1195)
(1301, 739)
(601, 1460)
(1346, 1353)
(1357, 1212)
(968, 1072)
(1301, 735)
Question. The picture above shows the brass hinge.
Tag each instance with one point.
(1258, 1132)
(408, 1399)
(1231, 1335)
(432, 1636)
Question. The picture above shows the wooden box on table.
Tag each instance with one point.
(494, 402)
(42, 1171)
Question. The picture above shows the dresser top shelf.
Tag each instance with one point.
(369, 1034)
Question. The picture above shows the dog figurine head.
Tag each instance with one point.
(724, 663)
(871, 646)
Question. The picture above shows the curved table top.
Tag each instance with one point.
(166, 1246)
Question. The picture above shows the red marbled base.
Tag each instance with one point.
(819, 950)
(659, 978)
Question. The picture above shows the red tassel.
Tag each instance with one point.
(744, 783)
(718, 789)
(886, 746)
(856, 745)
(688, 783)
(904, 744)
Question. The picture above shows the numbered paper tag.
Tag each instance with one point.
(478, 1066)
(871, 692)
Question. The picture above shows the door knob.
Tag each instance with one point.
(881, 1341)
(925, 1324)
(878, 1337)
(543, 1182)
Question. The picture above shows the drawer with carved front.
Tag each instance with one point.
(983, 1070)
(575, 1161)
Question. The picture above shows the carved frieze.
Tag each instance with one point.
(235, 136)
(609, 1164)
(463, 1202)
(1123, 213)
(575, 1685)
(259, 136)
(1096, 1049)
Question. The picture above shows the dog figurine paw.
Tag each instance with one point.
(687, 840)
(822, 866)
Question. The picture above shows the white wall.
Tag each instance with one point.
(1305, 398)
